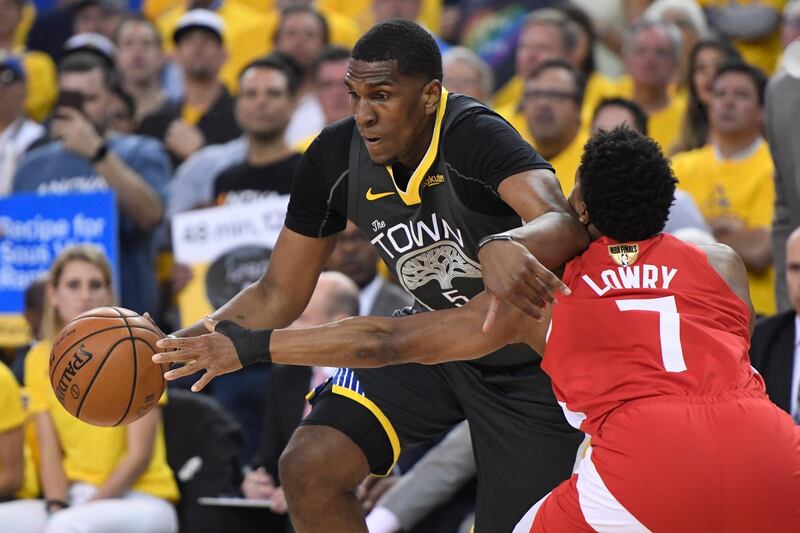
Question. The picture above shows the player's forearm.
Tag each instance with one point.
(553, 238)
(754, 247)
(366, 342)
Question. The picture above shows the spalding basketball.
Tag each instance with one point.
(101, 368)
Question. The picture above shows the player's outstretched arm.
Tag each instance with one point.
(360, 342)
(519, 271)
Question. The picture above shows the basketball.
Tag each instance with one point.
(101, 369)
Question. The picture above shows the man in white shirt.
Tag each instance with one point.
(17, 132)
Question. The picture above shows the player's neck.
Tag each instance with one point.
(412, 158)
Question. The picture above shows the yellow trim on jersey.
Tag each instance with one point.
(411, 195)
(375, 410)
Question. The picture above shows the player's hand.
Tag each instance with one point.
(213, 352)
(372, 489)
(511, 273)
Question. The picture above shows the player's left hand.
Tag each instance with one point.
(213, 352)
(511, 273)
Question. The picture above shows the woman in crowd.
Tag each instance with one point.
(706, 57)
(93, 479)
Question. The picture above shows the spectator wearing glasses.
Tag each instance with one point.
(552, 109)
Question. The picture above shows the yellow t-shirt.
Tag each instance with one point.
(247, 36)
(13, 415)
(664, 125)
(92, 453)
(764, 52)
(566, 163)
(742, 188)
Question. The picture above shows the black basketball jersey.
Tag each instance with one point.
(424, 233)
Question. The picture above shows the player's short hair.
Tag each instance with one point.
(627, 184)
(406, 42)
(758, 78)
(639, 116)
(280, 62)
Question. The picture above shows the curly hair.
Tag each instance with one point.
(406, 42)
(627, 184)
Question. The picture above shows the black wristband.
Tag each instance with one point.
(100, 154)
(495, 237)
(252, 345)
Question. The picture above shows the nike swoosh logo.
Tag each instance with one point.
(372, 196)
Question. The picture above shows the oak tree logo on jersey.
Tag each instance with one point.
(442, 262)
(624, 254)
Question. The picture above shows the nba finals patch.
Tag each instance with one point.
(624, 254)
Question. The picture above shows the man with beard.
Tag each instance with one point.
(552, 107)
(264, 106)
(205, 115)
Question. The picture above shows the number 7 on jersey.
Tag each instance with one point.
(669, 327)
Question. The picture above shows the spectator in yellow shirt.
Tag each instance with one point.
(552, 109)
(94, 479)
(42, 90)
(12, 418)
(652, 54)
(706, 57)
(731, 177)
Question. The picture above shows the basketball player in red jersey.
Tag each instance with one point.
(648, 355)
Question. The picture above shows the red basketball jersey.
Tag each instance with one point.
(644, 319)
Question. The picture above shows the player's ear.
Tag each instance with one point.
(576, 201)
(431, 95)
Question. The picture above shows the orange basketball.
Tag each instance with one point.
(101, 368)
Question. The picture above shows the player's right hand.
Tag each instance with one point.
(212, 352)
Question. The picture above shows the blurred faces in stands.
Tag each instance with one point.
(466, 73)
(302, 34)
(140, 56)
(736, 109)
(396, 9)
(652, 53)
(552, 105)
(265, 104)
(546, 34)
(329, 83)
(200, 53)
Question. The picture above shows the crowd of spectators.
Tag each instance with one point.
(180, 105)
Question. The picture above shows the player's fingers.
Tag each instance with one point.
(201, 383)
(551, 281)
(183, 371)
(491, 314)
(176, 356)
(177, 343)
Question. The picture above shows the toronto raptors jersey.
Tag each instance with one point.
(650, 318)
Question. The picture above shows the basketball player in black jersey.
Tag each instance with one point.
(427, 176)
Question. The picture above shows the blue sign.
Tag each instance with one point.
(35, 228)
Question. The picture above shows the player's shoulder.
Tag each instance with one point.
(473, 117)
(335, 134)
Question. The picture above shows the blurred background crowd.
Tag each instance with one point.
(178, 105)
